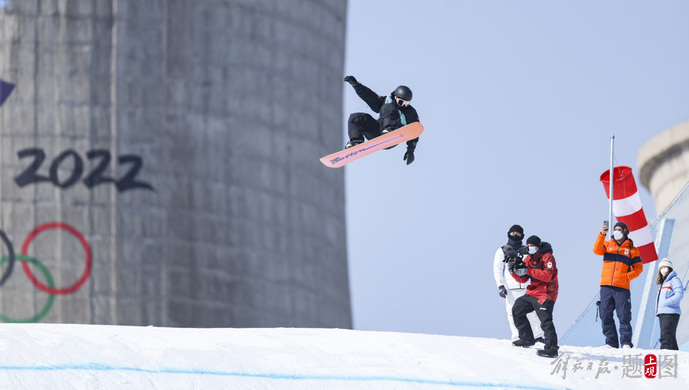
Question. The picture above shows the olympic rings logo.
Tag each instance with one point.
(49, 285)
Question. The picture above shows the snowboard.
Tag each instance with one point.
(344, 157)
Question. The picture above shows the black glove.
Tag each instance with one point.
(502, 291)
(519, 268)
(351, 80)
(409, 156)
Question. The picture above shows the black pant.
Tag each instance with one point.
(544, 310)
(360, 125)
(668, 331)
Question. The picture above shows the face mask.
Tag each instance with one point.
(515, 238)
(618, 235)
(664, 271)
(533, 250)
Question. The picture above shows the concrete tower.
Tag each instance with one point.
(664, 164)
(159, 162)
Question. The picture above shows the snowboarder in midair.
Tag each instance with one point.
(394, 112)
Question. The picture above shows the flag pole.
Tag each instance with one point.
(612, 151)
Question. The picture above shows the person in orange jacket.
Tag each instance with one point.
(621, 264)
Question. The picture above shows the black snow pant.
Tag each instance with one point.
(362, 125)
(619, 300)
(544, 310)
(668, 331)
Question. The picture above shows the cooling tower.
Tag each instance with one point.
(664, 164)
(160, 163)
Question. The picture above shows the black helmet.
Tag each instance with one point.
(403, 92)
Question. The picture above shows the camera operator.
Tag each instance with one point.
(506, 259)
(540, 297)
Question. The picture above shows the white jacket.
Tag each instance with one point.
(502, 275)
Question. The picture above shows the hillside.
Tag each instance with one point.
(37, 356)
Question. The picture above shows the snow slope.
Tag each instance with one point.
(47, 356)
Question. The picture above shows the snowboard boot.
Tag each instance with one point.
(385, 131)
(523, 343)
(352, 144)
(549, 353)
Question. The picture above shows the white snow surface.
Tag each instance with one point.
(52, 356)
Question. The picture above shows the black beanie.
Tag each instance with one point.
(534, 240)
(516, 228)
(624, 227)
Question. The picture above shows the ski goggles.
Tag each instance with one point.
(402, 102)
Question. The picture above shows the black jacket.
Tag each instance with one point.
(390, 115)
(389, 112)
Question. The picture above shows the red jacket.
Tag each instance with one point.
(543, 274)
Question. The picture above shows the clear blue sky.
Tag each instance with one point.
(518, 99)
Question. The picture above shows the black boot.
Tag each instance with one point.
(549, 353)
(352, 144)
(523, 343)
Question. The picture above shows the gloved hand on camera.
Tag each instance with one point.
(521, 271)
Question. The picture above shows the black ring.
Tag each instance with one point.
(10, 255)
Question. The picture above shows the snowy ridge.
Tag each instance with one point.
(114, 357)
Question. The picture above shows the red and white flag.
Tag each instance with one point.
(626, 206)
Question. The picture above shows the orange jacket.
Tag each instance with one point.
(621, 263)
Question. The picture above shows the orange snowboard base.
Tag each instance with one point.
(344, 157)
